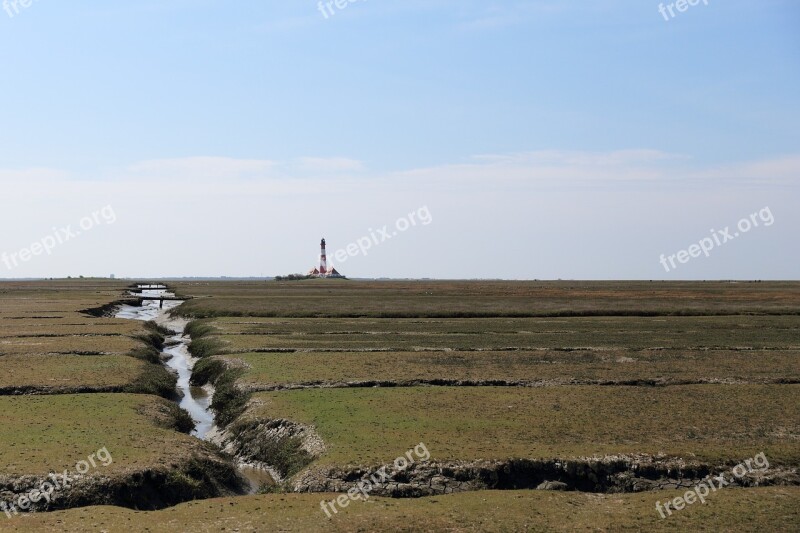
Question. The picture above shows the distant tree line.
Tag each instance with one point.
(293, 277)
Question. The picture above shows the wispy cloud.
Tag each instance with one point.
(33, 174)
(544, 169)
(615, 169)
(199, 168)
(327, 165)
(548, 169)
(780, 171)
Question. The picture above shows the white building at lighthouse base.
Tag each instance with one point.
(332, 273)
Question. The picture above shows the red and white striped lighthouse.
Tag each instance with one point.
(323, 260)
(324, 271)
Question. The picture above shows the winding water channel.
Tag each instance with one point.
(196, 400)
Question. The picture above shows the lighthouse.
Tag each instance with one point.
(323, 260)
(323, 271)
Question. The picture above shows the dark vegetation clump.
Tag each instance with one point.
(107, 310)
(294, 277)
(194, 479)
(152, 339)
(207, 370)
(171, 416)
(198, 328)
(229, 401)
(205, 347)
(154, 379)
(158, 329)
(155, 335)
(147, 353)
(284, 454)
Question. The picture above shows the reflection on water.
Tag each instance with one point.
(257, 478)
(195, 399)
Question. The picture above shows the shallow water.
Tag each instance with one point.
(256, 478)
(149, 310)
(195, 400)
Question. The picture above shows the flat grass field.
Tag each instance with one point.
(43, 434)
(628, 333)
(287, 353)
(68, 373)
(574, 333)
(700, 372)
(373, 426)
(72, 344)
(460, 299)
(750, 510)
(49, 344)
(273, 371)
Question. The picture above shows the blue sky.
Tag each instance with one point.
(549, 139)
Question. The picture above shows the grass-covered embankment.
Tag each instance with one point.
(756, 510)
(229, 399)
(154, 463)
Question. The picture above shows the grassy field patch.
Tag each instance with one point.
(462, 299)
(371, 426)
(68, 372)
(756, 510)
(266, 371)
(50, 433)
